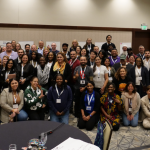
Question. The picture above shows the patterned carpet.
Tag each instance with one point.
(125, 138)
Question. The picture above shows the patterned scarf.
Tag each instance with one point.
(43, 76)
(59, 68)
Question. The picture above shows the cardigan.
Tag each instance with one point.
(6, 103)
(96, 105)
(32, 100)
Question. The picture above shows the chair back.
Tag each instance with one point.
(107, 132)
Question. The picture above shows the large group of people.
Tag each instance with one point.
(92, 83)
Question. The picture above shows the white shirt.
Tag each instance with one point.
(19, 60)
(99, 76)
(146, 64)
(40, 50)
(137, 74)
(49, 65)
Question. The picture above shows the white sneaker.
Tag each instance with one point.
(75, 120)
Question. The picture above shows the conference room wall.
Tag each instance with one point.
(100, 13)
(31, 34)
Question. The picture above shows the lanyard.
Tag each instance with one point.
(89, 48)
(109, 72)
(33, 64)
(130, 103)
(22, 71)
(71, 63)
(89, 100)
(82, 73)
(138, 72)
(141, 56)
(6, 75)
(58, 92)
(98, 71)
(113, 60)
(15, 98)
(92, 63)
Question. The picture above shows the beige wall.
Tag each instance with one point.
(101, 13)
(23, 34)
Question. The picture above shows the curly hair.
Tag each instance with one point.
(117, 74)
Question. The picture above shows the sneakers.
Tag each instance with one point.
(75, 120)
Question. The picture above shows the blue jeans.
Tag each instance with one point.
(133, 122)
(61, 119)
(22, 116)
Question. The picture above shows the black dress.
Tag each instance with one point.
(28, 73)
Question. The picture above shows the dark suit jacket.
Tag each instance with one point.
(117, 66)
(66, 74)
(138, 55)
(16, 62)
(28, 72)
(144, 74)
(105, 47)
(92, 46)
(4, 84)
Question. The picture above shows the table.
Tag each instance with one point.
(20, 133)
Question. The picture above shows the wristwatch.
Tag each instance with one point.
(90, 115)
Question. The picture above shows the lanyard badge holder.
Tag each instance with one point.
(130, 107)
(82, 81)
(58, 100)
(89, 102)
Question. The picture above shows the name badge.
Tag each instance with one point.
(15, 106)
(139, 78)
(130, 109)
(88, 108)
(58, 100)
(82, 81)
(111, 101)
(110, 78)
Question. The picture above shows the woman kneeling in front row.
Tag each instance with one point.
(111, 105)
(90, 106)
(131, 100)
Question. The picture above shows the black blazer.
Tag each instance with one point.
(117, 66)
(144, 74)
(66, 74)
(28, 72)
(96, 105)
(138, 55)
(4, 84)
(92, 46)
(16, 62)
(105, 47)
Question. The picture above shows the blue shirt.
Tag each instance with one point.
(91, 103)
(40, 50)
(56, 51)
(13, 55)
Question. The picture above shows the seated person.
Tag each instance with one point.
(131, 101)
(11, 102)
(59, 100)
(90, 104)
(110, 106)
(145, 111)
(35, 100)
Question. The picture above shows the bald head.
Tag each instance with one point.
(41, 44)
(33, 48)
(53, 45)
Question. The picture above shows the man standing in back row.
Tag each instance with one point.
(108, 43)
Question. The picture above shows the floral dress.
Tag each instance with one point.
(110, 108)
(32, 100)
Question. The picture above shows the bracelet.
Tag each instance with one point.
(90, 115)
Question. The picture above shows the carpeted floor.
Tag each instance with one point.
(125, 138)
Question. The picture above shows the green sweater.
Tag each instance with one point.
(32, 100)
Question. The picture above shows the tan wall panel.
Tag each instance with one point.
(24, 34)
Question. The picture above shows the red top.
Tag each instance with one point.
(75, 64)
